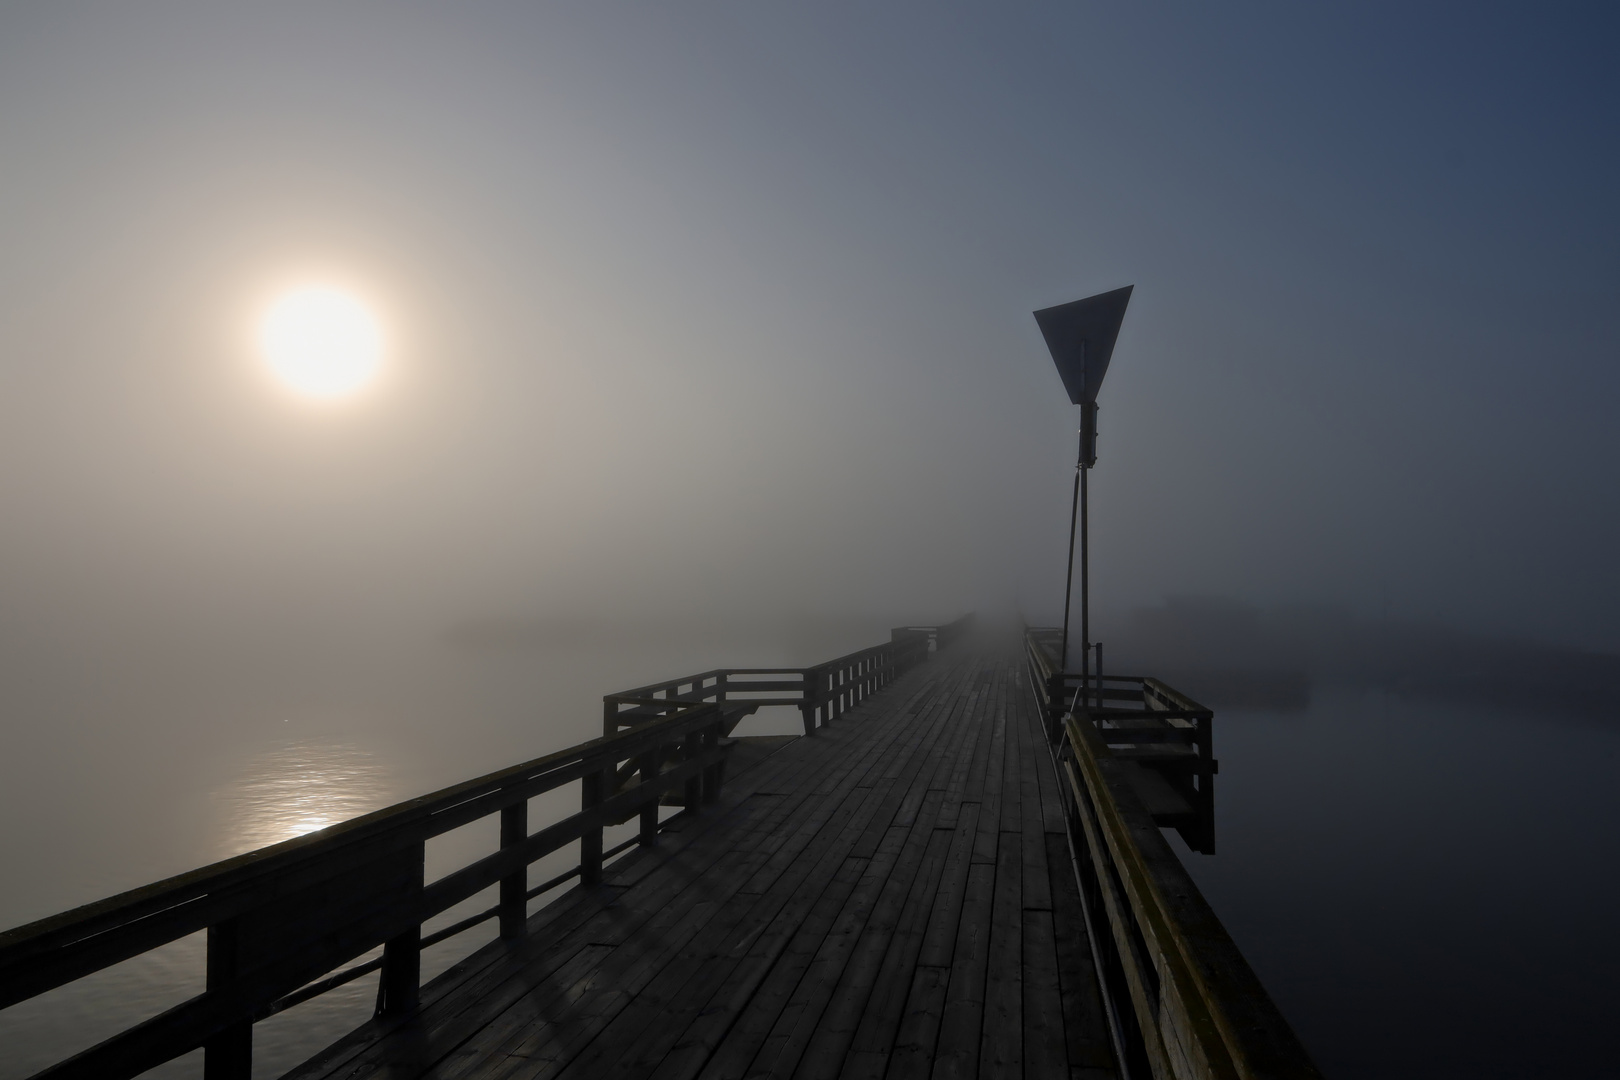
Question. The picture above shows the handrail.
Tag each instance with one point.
(1182, 1001)
(820, 693)
(281, 921)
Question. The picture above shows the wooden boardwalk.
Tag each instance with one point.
(891, 897)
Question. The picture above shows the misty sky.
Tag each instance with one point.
(724, 309)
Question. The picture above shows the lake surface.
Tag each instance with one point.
(1424, 889)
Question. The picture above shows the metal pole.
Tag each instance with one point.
(1085, 593)
(1077, 502)
(1068, 581)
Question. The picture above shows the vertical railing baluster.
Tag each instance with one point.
(399, 987)
(652, 762)
(808, 703)
(693, 747)
(229, 1054)
(590, 842)
(514, 886)
(715, 774)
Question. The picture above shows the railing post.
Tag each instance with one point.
(590, 842)
(229, 1054)
(715, 775)
(652, 761)
(812, 699)
(693, 745)
(514, 886)
(399, 987)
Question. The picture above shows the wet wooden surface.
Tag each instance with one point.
(891, 897)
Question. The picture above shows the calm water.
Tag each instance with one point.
(280, 790)
(1427, 891)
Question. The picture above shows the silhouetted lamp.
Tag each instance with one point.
(1080, 336)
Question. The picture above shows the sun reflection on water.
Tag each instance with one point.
(296, 788)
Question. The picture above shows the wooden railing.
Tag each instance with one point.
(820, 693)
(1144, 721)
(282, 920)
(1182, 1002)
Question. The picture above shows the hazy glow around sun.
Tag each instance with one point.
(321, 341)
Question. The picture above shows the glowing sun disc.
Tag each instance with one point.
(322, 342)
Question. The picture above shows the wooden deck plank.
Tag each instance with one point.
(956, 1055)
(827, 1041)
(1033, 759)
(1046, 775)
(1044, 1050)
(1012, 762)
(1085, 1025)
(912, 1057)
(993, 779)
(876, 1017)
(981, 757)
(1001, 1047)
(918, 1032)
(889, 897)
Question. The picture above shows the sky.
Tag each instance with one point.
(722, 311)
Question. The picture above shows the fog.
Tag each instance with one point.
(709, 342)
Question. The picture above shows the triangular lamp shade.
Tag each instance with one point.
(1080, 336)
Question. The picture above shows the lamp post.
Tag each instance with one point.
(1080, 336)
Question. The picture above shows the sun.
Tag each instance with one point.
(322, 342)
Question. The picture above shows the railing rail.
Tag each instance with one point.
(821, 693)
(1182, 1001)
(282, 920)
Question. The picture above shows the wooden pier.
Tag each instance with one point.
(957, 873)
